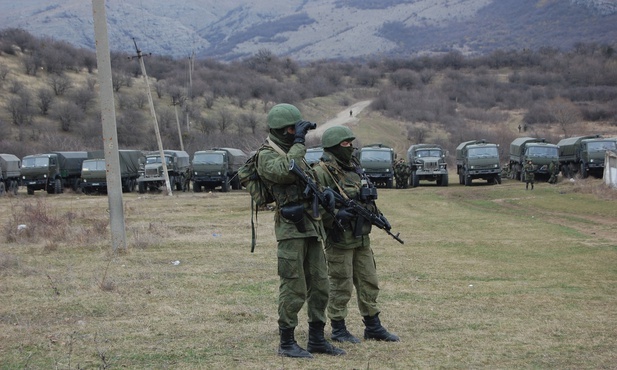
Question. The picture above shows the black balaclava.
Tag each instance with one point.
(342, 154)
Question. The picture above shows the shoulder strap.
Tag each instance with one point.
(341, 191)
(275, 147)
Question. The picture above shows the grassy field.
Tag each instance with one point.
(489, 277)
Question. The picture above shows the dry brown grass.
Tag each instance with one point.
(489, 277)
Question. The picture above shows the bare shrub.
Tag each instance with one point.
(7, 261)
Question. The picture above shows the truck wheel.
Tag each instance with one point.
(497, 179)
(461, 180)
(142, 187)
(2, 188)
(389, 183)
(29, 190)
(13, 187)
(467, 180)
(225, 186)
(58, 186)
(444, 180)
(196, 187)
(583, 171)
(415, 179)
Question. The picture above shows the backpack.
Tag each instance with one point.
(249, 178)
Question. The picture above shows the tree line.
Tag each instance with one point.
(49, 101)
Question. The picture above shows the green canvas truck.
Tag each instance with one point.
(584, 155)
(94, 171)
(52, 172)
(540, 152)
(217, 167)
(477, 159)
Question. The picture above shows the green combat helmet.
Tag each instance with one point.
(283, 115)
(336, 135)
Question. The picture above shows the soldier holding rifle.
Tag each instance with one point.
(299, 232)
(348, 250)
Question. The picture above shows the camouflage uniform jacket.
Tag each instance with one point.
(286, 188)
(350, 181)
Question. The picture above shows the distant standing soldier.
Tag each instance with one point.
(529, 174)
(350, 113)
(553, 169)
(401, 174)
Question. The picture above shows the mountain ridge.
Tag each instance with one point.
(323, 29)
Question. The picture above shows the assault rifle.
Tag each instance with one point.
(363, 214)
(312, 189)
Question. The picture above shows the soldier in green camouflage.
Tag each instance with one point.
(350, 258)
(401, 174)
(302, 266)
(529, 174)
(553, 170)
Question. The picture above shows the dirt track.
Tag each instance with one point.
(341, 118)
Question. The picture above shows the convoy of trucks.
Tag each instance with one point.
(217, 167)
(478, 159)
(540, 152)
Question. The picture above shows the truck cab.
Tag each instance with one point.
(478, 159)
(377, 161)
(427, 162)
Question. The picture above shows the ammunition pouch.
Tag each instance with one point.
(295, 213)
(367, 193)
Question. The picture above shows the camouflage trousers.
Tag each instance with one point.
(348, 268)
(303, 278)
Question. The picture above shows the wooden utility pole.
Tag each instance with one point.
(175, 103)
(110, 133)
(140, 57)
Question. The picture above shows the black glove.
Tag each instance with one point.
(329, 199)
(302, 127)
(384, 221)
(345, 215)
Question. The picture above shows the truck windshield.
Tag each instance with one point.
(313, 156)
(208, 158)
(483, 152)
(601, 146)
(157, 159)
(93, 165)
(375, 155)
(542, 151)
(428, 153)
(35, 162)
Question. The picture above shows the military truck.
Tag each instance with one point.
(377, 161)
(313, 155)
(427, 162)
(584, 155)
(477, 159)
(151, 171)
(9, 173)
(52, 171)
(94, 171)
(540, 152)
(217, 167)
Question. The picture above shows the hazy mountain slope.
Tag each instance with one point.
(319, 29)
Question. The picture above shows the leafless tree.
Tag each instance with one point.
(225, 120)
(20, 109)
(565, 113)
(59, 83)
(83, 98)
(45, 98)
(68, 114)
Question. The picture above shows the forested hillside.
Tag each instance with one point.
(49, 96)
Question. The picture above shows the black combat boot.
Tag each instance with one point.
(289, 347)
(375, 331)
(341, 334)
(317, 343)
